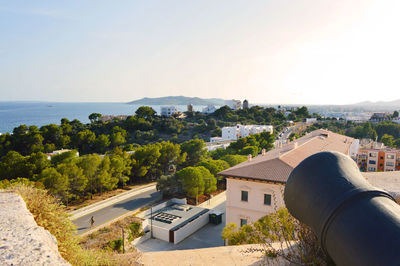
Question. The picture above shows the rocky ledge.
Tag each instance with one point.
(22, 241)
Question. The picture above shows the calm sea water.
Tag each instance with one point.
(13, 114)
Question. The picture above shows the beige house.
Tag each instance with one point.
(255, 187)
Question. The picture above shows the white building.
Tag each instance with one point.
(255, 187)
(168, 110)
(241, 131)
(217, 143)
(234, 104)
(209, 109)
(311, 120)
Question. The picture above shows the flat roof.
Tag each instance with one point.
(175, 216)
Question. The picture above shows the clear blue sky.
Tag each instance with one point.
(281, 51)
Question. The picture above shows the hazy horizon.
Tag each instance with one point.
(269, 52)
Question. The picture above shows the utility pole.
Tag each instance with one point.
(151, 221)
(123, 241)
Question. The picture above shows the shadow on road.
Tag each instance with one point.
(132, 204)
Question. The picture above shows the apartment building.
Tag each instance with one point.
(255, 187)
(209, 109)
(168, 110)
(241, 131)
(234, 104)
(378, 160)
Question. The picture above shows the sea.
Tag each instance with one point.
(13, 114)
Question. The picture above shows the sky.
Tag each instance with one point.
(273, 52)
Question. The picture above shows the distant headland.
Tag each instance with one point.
(178, 100)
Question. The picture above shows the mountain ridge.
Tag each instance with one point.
(178, 100)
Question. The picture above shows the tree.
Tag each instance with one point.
(76, 179)
(93, 117)
(118, 136)
(210, 182)
(395, 114)
(144, 161)
(253, 150)
(51, 133)
(387, 140)
(117, 139)
(90, 164)
(214, 166)
(145, 112)
(13, 165)
(64, 157)
(196, 151)
(55, 182)
(39, 162)
(396, 143)
(168, 185)
(102, 143)
(234, 159)
(104, 178)
(170, 156)
(84, 141)
(120, 169)
(192, 180)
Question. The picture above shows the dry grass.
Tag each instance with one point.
(49, 214)
(100, 238)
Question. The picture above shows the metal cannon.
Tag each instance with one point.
(356, 223)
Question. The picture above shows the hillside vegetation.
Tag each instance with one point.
(52, 216)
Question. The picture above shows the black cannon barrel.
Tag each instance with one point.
(356, 223)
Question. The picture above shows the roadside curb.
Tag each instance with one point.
(108, 202)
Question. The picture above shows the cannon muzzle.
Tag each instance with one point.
(356, 223)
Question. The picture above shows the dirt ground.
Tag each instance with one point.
(229, 255)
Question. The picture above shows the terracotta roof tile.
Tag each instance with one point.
(277, 164)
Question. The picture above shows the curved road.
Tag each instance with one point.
(117, 209)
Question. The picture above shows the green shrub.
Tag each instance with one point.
(115, 245)
(134, 230)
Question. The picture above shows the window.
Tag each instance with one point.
(245, 195)
(390, 156)
(243, 222)
(371, 162)
(372, 155)
(389, 163)
(267, 199)
(371, 169)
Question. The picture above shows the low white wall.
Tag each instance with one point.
(155, 208)
(161, 233)
(190, 228)
(141, 239)
(213, 200)
(178, 201)
(162, 205)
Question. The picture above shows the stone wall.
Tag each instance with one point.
(22, 241)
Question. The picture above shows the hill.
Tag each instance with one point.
(178, 100)
(395, 103)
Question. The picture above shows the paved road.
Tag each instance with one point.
(115, 210)
(285, 136)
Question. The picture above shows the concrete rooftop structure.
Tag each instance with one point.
(177, 215)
